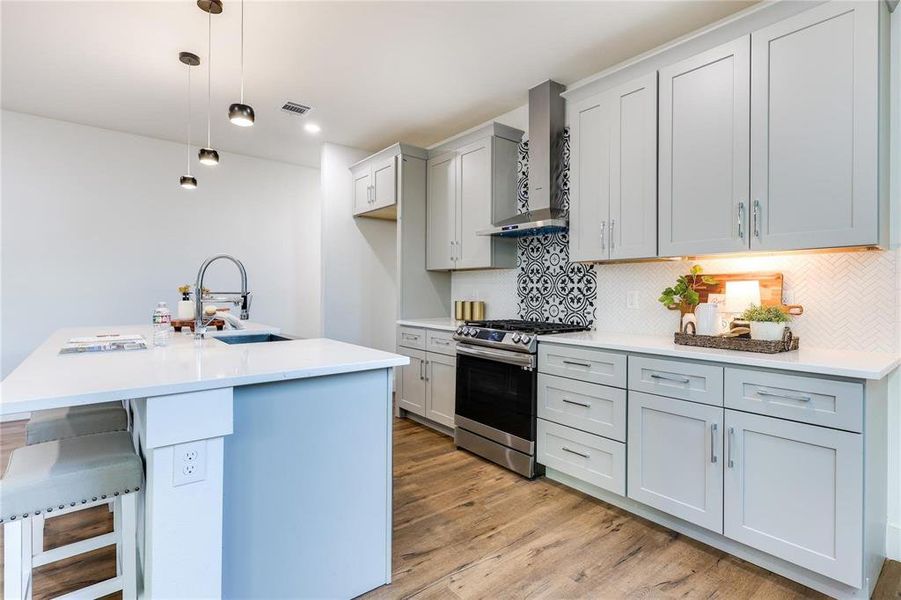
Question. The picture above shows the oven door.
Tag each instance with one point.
(496, 395)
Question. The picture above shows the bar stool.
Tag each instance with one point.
(64, 476)
(62, 423)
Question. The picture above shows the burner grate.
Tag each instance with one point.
(534, 327)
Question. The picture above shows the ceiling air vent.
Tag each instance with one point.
(296, 109)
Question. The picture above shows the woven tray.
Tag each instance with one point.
(790, 342)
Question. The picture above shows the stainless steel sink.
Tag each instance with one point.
(254, 338)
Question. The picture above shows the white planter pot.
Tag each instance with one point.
(766, 331)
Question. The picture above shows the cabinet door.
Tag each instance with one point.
(384, 186)
(674, 458)
(441, 372)
(413, 383)
(441, 203)
(589, 200)
(474, 191)
(362, 178)
(704, 152)
(795, 491)
(633, 169)
(814, 129)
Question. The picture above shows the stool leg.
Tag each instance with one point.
(12, 560)
(37, 534)
(114, 508)
(27, 556)
(129, 520)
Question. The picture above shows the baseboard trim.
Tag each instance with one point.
(428, 423)
(15, 417)
(893, 541)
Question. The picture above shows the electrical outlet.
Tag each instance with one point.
(788, 297)
(632, 299)
(188, 463)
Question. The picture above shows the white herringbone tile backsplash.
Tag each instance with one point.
(850, 299)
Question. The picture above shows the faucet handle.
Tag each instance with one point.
(245, 305)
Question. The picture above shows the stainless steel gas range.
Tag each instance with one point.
(497, 385)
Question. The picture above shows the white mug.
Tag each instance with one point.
(708, 319)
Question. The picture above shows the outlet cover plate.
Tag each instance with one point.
(188, 463)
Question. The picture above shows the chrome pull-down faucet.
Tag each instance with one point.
(242, 299)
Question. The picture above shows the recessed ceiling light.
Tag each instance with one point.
(312, 128)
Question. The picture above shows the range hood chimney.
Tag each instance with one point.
(546, 124)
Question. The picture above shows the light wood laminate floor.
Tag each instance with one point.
(465, 528)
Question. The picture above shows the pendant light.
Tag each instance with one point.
(189, 182)
(239, 113)
(207, 155)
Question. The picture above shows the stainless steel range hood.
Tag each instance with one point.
(546, 124)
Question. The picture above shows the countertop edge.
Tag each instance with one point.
(50, 402)
(741, 359)
(430, 323)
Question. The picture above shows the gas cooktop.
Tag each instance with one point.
(510, 334)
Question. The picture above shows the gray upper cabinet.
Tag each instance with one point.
(814, 129)
(441, 210)
(471, 184)
(704, 152)
(794, 491)
(378, 183)
(613, 179)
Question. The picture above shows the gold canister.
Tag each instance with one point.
(467, 310)
(478, 310)
(458, 310)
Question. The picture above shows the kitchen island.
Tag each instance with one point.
(290, 489)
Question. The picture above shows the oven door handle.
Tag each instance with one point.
(519, 359)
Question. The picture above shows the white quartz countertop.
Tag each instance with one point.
(858, 365)
(47, 379)
(442, 323)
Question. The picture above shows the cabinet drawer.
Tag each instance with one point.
(677, 379)
(594, 408)
(591, 458)
(837, 404)
(441, 342)
(411, 337)
(586, 364)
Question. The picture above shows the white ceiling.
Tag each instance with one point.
(375, 72)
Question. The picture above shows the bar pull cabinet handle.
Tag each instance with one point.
(603, 232)
(757, 219)
(772, 394)
(422, 370)
(741, 220)
(428, 368)
(577, 363)
(577, 403)
(612, 236)
(731, 441)
(713, 430)
(576, 452)
(670, 378)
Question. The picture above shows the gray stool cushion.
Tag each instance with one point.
(62, 473)
(62, 423)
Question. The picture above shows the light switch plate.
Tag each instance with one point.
(632, 299)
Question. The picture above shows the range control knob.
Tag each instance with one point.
(460, 330)
(516, 338)
(526, 339)
(473, 331)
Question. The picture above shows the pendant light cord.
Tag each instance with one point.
(242, 51)
(209, 69)
(188, 144)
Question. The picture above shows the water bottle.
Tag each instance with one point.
(162, 323)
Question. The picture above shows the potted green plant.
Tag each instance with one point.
(684, 295)
(767, 322)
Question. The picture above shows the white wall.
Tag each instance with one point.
(359, 260)
(96, 230)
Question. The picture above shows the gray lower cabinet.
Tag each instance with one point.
(674, 456)
(412, 389)
(590, 458)
(441, 386)
(795, 491)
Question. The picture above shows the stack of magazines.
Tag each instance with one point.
(112, 342)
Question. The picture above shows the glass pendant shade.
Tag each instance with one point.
(189, 182)
(208, 156)
(241, 114)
